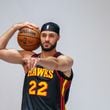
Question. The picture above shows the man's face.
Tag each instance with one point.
(48, 40)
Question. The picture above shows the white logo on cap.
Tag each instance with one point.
(47, 27)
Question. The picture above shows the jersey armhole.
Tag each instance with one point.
(61, 74)
(36, 55)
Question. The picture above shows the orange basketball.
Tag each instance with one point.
(29, 38)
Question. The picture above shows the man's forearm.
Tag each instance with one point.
(61, 64)
(6, 36)
(50, 63)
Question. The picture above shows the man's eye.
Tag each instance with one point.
(43, 35)
(51, 35)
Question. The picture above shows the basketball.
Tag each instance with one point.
(29, 38)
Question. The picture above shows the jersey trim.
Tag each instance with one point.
(64, 90)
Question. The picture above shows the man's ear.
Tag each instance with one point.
(58, 37)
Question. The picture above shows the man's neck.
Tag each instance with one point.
(45, 54)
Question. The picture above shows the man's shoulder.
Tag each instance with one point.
(61, 55)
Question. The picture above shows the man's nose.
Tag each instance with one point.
(47, 38)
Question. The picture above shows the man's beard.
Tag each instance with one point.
(50, 48)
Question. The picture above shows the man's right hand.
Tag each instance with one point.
(18, 26)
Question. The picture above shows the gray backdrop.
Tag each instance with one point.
(85, 36)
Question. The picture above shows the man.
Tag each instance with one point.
(48, 74)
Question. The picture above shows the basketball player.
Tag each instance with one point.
(48, 74)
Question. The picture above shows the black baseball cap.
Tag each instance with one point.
(51, 26)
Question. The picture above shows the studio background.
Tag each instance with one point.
(85, 36)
